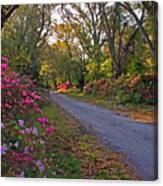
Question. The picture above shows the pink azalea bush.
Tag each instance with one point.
(23, 128)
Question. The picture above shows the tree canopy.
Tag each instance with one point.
(78, 40)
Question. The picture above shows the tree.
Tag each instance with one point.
(26, 32)
(86, 21)
(6, 13)
(67, 43)
(151, 8)
(116, 25)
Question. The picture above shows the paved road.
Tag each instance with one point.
(136, 140)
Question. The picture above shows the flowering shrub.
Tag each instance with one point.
(96, 87)
(23, 128)
(87, 89)
(63, 87)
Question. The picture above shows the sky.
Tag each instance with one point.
(56, 18)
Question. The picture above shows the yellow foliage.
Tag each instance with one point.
(91, 67)
(149, 62)
(60, 45)
(45, 69)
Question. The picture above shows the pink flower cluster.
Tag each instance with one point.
(18, 93)
(20, 156)
(22, 103)
(27, 101)
(42, 120)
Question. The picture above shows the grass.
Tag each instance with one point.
(142, 113)
(75, 154)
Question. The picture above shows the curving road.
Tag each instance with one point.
(137, 140)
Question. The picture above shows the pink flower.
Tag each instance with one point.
(28, 130)
(4, 66)
(21, 132)
(37, 97)
(7, 105)
(24, 93)
(9, 86)
(9, 93)
(14, 81)
(27, 101)
(7, 80)
(21, 111)
(42, 120)
(21, 122)
(37, 109)
(4, 59)
(19, 156)
(50, 130)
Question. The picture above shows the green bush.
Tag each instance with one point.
(121, 96)
(136, 97)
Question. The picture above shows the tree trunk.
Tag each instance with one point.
(115, 63)
(81, 83)
(145, 36)
(6, 12)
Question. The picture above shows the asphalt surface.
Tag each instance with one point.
(137, 140)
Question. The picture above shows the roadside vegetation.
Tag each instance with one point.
(77, 154)
(135, 97)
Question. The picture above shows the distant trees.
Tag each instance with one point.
(117, 24)
(69, 56)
